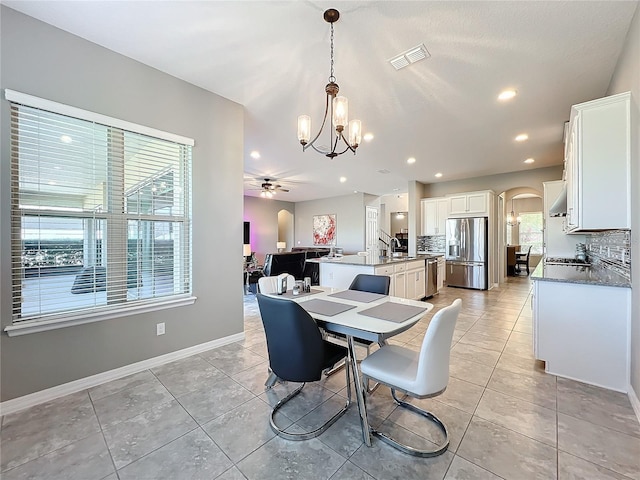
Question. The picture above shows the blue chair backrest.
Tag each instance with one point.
(371, 283)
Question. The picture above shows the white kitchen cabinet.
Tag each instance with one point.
(470, 204)
(435, 212)
(407, 278)
(415, 280)
(442, 273)
(581, 332)
(597, 165)
(399, 280)
(390, 272)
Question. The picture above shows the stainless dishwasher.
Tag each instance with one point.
(431, 278)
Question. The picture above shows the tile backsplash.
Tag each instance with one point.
(611, 249)
(431, 243)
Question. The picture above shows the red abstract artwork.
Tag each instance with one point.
(324, 229)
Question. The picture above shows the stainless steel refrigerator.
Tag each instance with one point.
(467, 246)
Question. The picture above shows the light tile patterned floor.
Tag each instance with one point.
(205, 417)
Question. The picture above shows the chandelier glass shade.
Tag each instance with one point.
(512, 219)
(337, 108)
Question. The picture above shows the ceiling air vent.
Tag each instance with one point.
(384, 171)
(410, 56)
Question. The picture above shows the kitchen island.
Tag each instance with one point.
(407, 273)
(581, 322)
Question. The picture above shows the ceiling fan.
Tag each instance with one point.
(269, 189)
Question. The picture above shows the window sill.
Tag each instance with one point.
(36, 326)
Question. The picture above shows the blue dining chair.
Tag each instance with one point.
(298, 353)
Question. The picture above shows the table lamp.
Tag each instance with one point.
(246, 250)
(281, 246)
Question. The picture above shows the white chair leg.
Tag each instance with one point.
(439, 450)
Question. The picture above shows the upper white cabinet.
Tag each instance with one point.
(597, 163)
(470, 204)
(434, 215)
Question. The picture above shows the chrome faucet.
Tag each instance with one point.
(397, 244)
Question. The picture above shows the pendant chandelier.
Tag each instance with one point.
(512, 220)
(337, 107)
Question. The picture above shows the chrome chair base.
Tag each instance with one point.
(314, 433)
(336, 368)
(439, 450)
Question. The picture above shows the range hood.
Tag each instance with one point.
(559, 207)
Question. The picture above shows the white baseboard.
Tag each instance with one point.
(36, 398)
(635, 402)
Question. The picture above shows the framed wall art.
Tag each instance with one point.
(324, 229)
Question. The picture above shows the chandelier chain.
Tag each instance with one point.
(331, 77)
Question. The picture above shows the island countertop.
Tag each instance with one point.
(579, 274)
(368, 261)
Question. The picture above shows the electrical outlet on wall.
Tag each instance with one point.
(160, 328)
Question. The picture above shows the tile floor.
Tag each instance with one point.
(205, 417)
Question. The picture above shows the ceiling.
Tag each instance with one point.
(273, 58)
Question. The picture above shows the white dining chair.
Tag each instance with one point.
(418, 374)
(268, 285)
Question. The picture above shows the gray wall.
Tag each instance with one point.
(263, 215)
(627, 78)
(350, 220)
(498, 183)
(41, 60)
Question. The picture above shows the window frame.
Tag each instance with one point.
(49, 321)
(541, 243)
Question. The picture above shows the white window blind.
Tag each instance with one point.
(100, 216)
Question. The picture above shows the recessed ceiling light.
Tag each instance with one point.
(343, 179)
(438, 175)
(411, 160)
(255, 154)
(507, 95)
(355, 191)
(368, 137)
(529, 160)
(396, 189)
(66, 139)
(522, 137)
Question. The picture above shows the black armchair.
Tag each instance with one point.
(297, 353)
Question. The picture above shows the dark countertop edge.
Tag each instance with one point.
(538, 275)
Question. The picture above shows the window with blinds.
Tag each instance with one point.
(100, 216)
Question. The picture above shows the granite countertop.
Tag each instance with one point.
(579, 274)
(422, 254)
(368, 261)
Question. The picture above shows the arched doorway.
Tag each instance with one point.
(526, 203)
